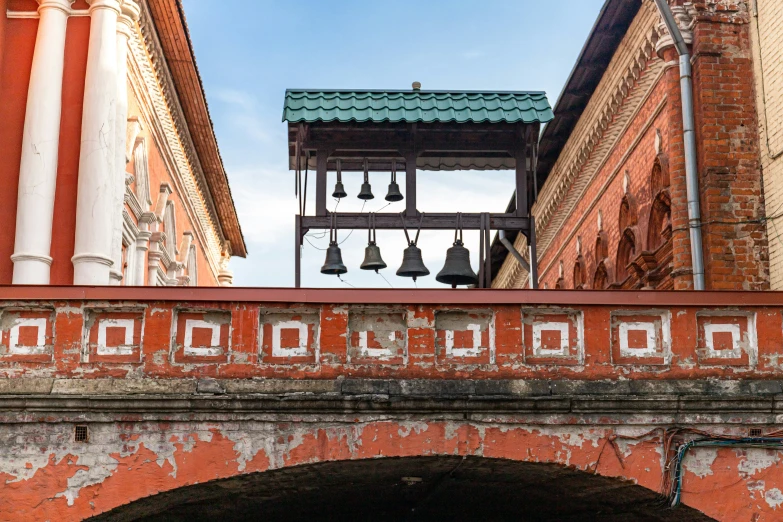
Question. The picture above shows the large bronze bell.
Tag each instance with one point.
(372, 254)
(366, 192)
(394, 193)
(457, 270)
(372, 258)
(339, 189)
(412, 263)
(334, 261)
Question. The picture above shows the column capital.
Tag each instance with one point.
(685, 16)
(129, 15)
(62, 5)
(113, 5)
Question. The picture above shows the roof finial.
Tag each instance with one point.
(416, 86)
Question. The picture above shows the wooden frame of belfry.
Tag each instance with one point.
(318, 145)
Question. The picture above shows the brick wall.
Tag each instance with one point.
(767, 37)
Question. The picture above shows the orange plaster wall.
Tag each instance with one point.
(158, 173)
(17, 57)
(63, 230)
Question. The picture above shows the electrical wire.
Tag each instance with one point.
(344, 281)
(384, 278)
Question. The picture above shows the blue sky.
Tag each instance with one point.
(249, 52)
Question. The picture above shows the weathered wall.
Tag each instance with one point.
(767, 37)
(181, 335)
(176, 387)
(44, 475)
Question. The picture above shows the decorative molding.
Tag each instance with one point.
(153, 89)
(34, 15)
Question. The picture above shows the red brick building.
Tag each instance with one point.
(612, 209)
(110, 167)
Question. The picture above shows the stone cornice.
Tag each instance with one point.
(609, 99)
(152, 86)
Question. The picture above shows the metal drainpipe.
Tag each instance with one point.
(689, 139)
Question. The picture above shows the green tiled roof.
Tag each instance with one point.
(416, 106)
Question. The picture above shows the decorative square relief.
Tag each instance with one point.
(27, 335)
(641, 338)
(113, 336)
(726, 338)
(465, 337)
(289, 336)
(202, 336)
(553, 336)
(377, 337)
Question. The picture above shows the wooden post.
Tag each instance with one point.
(320, 182)
(521, 156)
(410, 183)
(533, 254)
(487, 252)
(298, 252)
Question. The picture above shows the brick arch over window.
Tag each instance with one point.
(604, 269)
(626, 251)
(628, 212)
(603, 274)
(580, 273)
(659, 225)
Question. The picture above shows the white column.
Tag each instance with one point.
(40, 143)
(142, 246)
(129, 14)
(95, 191)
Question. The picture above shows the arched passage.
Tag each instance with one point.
(415, 488)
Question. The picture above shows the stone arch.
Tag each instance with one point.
(158, 458)
(437, 488)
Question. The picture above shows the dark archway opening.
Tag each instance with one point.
(420, 488)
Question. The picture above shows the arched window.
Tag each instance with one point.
(625, 252)
(192, 266)
(141, 173)
(170, 228)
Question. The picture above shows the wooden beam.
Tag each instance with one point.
(322, 155)
(386, 221)
(521, 155)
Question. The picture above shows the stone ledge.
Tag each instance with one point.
(390, 388)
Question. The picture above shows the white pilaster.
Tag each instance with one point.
(128, 15)
(142, 246)
(96, 198)
(40, 143)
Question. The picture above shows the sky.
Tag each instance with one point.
(250, 51)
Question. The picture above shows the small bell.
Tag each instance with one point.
(366, 192)
(412, 263)
(339, 189)
(334, 261)
(457, 270)
(394, 193)
(372, 254)
(333, 265)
